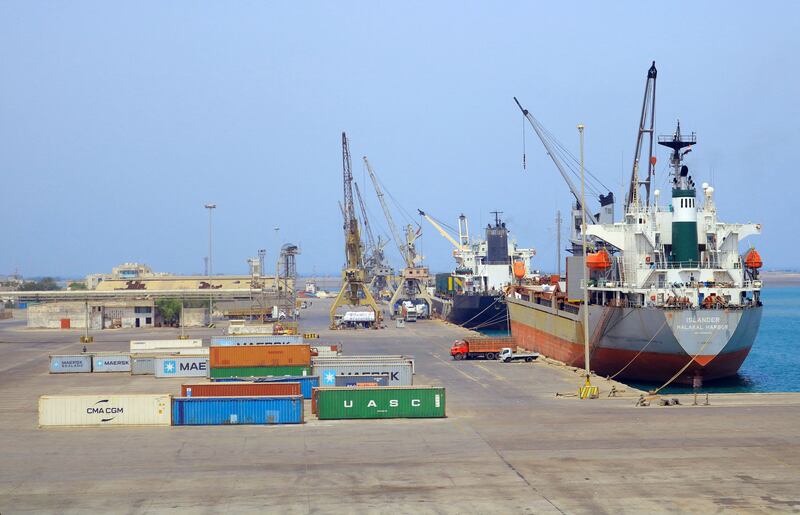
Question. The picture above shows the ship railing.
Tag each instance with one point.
(569, 308)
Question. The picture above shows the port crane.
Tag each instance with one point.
(378, 271)
(354, 289)
(413, 278)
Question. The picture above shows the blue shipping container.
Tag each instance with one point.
(306, 382)
(205, 411)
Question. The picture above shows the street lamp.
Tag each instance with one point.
(210, 208)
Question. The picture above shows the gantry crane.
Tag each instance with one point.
(354, 289)
(414, 278)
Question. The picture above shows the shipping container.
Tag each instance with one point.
(227, 372)
(239, 389)
(187, 351)
(241, 328)
(260, 339)
(143, 365)
(380, 402)
(261, 356)
(306, 382)
(140, 345)
(192, 411)
(365, 358)
(326, 351)
(379, 380)
(66, 364)
(400, 374)
(181, 366)
(111, 362)
(105, 410)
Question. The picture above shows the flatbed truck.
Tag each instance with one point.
(480, 347)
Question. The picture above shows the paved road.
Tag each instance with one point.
(508, 444)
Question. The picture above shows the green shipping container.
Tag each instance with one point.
(380, 402)
(260, 371)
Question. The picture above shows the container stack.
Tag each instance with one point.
(259, 360)
(238, 403)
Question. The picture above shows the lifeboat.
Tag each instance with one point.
(752, 259)
(598, 260)
(519, 269)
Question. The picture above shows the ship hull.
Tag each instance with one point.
(477, 312)
(641, 344)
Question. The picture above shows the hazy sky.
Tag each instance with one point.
(117, 123)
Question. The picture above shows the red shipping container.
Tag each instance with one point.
(237, 389)
(260, 356)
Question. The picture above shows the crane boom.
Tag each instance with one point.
(648, 104)
(441, 230)
(537, 128)
(389, 220)
(352, 236)
(371, 246)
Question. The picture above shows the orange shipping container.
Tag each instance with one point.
(260, 356)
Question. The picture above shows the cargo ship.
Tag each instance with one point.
(670, 298)
(473, 295)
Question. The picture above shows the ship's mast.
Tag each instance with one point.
(646, 127)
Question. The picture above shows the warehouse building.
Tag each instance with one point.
(101, 314)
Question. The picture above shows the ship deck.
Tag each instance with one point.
(508, 444)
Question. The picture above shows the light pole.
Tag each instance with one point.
(211, 208)
(588, 390)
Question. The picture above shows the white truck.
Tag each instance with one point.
(507, 356)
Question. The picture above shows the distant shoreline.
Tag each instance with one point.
(780, 278)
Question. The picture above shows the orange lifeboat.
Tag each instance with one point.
(598, 260)
(519, 269)
(752, 259)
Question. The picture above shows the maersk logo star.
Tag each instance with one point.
(169, 367)
(329, 377)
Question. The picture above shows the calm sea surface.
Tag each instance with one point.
(774, 362)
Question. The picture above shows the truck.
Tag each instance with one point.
(480, 347)
(507, 356)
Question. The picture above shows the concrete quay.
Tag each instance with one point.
(508, 445)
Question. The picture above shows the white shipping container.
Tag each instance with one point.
(190, 351)
(71, 363)
(181, 366)
(400, 374)
(321, 360)
(105, 410)
(138, 345)
(250, 329)
(111, 362)
(327, 351)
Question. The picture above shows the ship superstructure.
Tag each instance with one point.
(473, 295)
(670, 296)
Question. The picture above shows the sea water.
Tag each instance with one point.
(773, 364)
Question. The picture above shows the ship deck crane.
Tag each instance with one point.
(413, 278)
(561, 157)
(458, 246)
(537, 127)
(648, 115)
(354, 290)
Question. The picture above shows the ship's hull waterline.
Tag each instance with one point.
(641, 344)
(477, 312)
